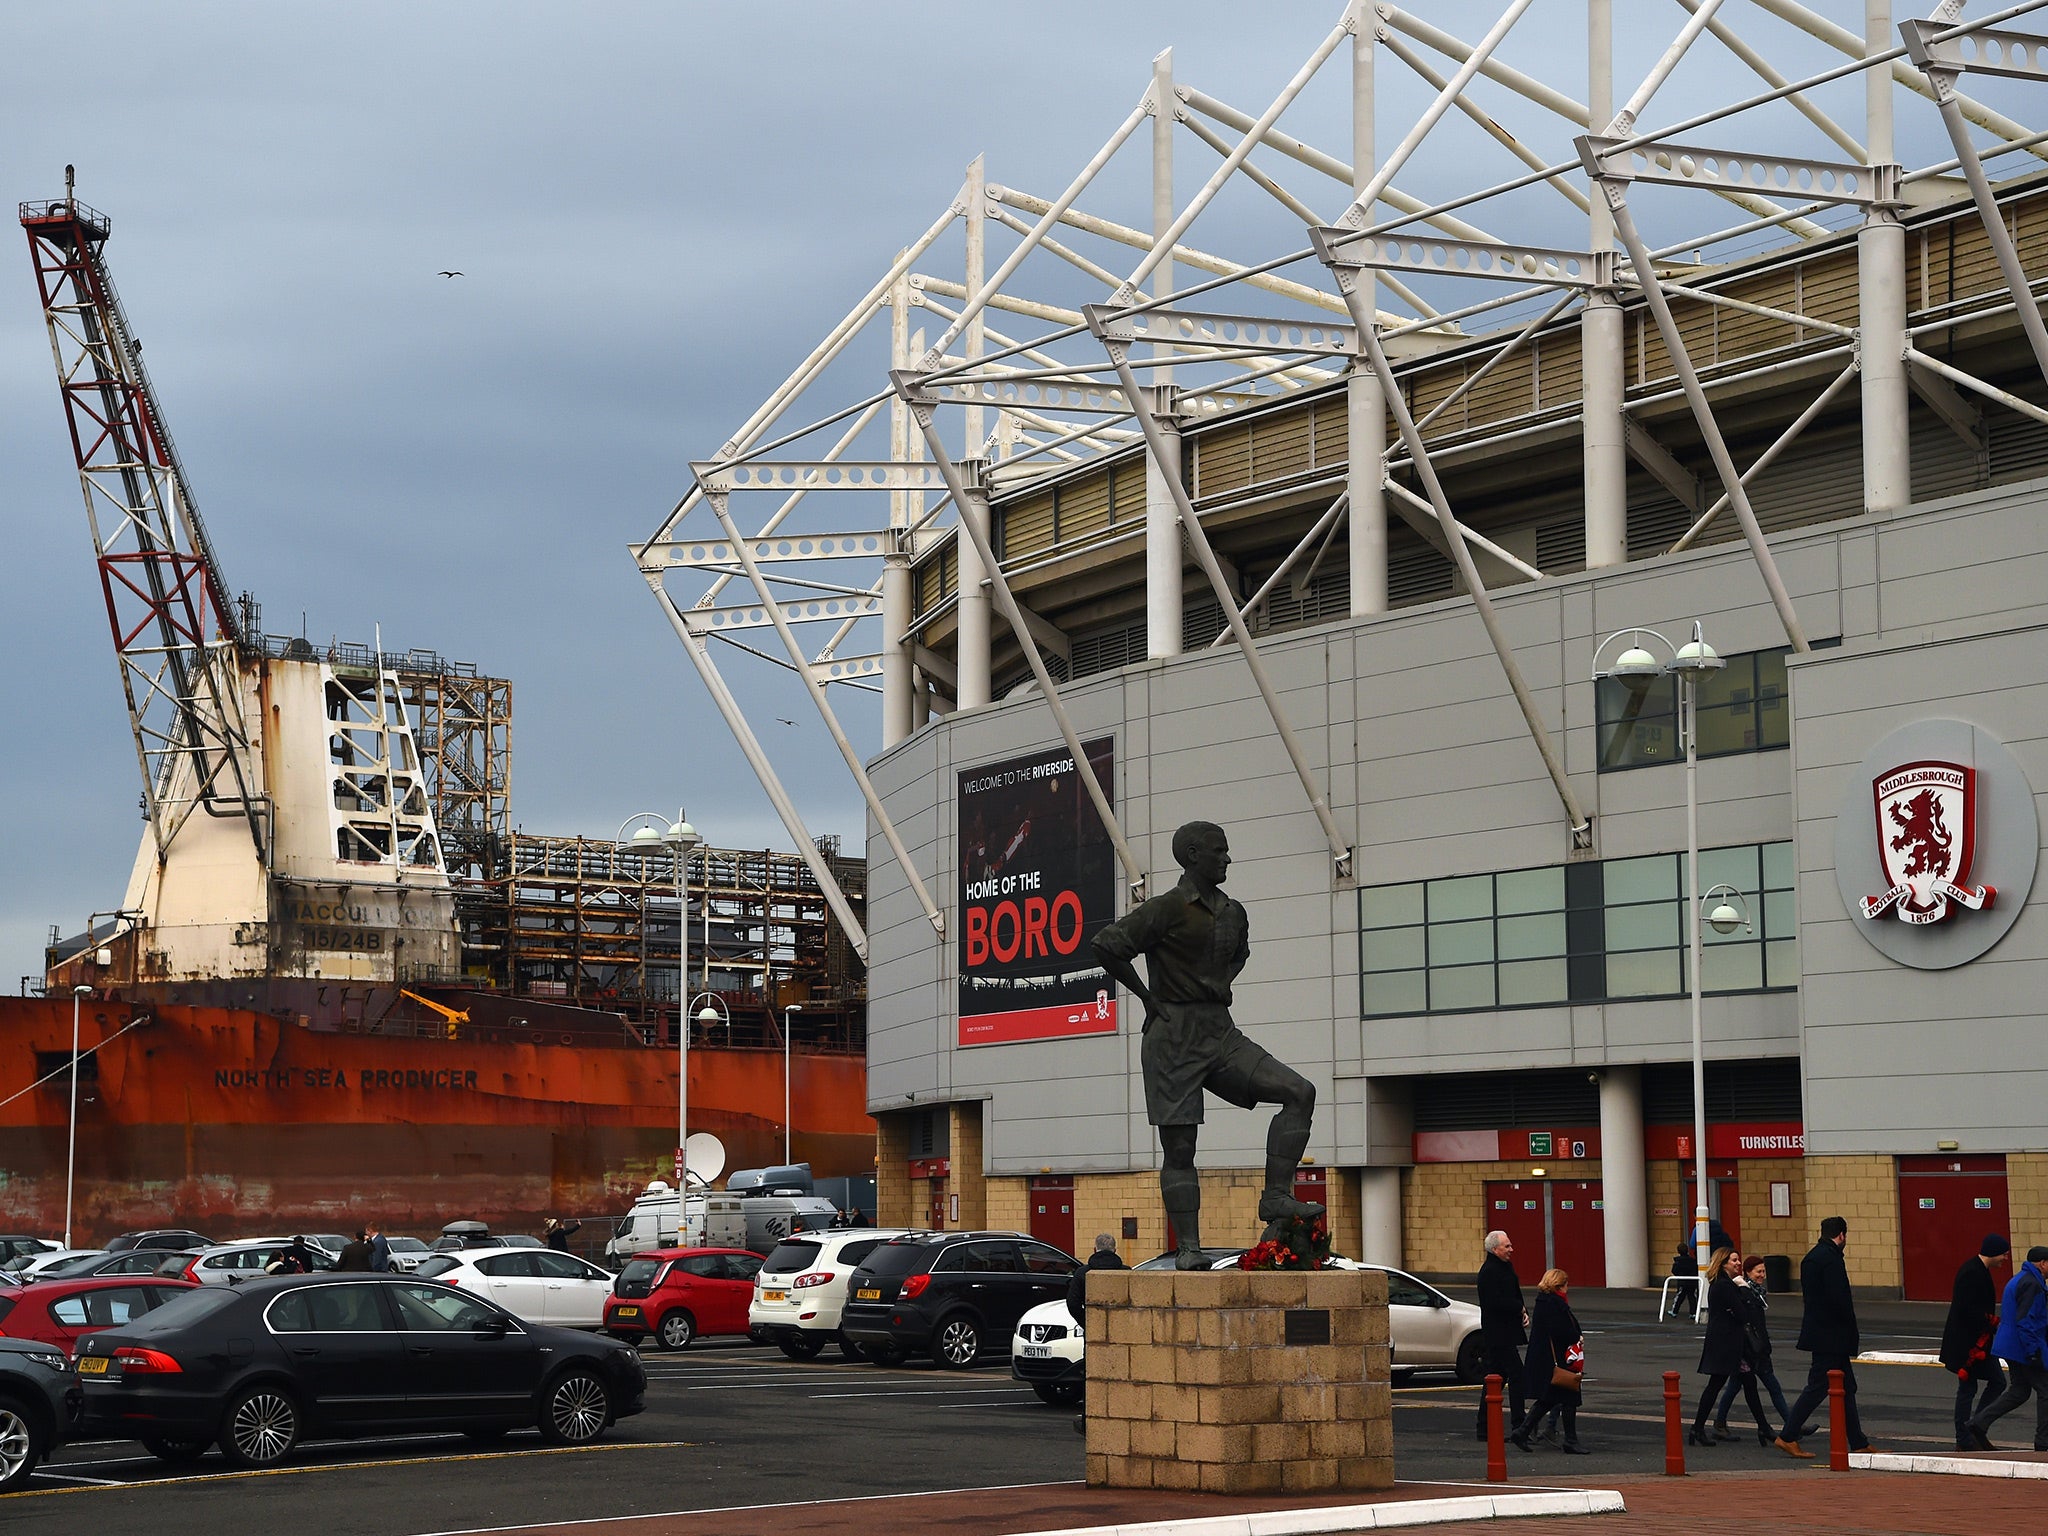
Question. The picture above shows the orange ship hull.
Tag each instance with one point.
(235, 1122)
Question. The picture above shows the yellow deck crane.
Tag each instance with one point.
(454, 1016)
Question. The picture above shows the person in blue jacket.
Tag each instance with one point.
(2022, 1343)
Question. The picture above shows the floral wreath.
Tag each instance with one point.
(1301, 1245)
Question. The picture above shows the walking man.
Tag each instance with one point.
(355, 1256)
(1195, 940)
(1828, 1334)
(1966, 1336)
(1503, 1325)
(380, 1249)
(2022, 1343)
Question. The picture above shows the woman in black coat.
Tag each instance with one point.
(1555, 1340)
(1756, 1336)
(1723, 1354)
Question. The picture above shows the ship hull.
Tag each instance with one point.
(236, 1122)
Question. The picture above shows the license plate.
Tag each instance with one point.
(625, 1312)
(867, 1295)
(775, 1295)
(92, 1365)
(1037, 1351)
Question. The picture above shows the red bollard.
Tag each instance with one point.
(1496, 1442)
(1674, 1428)
(1838, 1424)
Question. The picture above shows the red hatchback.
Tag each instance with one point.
(675, 1294)
(61, 1312)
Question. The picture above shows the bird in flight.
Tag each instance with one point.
(451, 274)
(780, 721)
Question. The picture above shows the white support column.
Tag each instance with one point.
(898, 599)
(1380, 1215)
(1881, 299)
(1365, 407)
(1603, 340)
(1164, 559)
(972, 687)
(972, 610)
(1624, 1186)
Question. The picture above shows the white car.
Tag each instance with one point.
(29, 1265)
(1431, 1331)
(536, 1285)
(801, 1289)
(407, 1253)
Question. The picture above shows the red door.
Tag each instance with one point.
(1578, 1237)
(1518, 1208)
(1312, 1184)
(1052, 1212)
(1947, 1206)
(1724, 1203)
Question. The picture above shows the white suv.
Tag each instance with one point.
(801, 1290)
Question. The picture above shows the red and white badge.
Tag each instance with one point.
(1926, 832)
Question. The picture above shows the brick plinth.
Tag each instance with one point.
(1192, 1384)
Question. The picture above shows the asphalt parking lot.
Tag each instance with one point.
(732, 1426)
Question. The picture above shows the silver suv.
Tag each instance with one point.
(232, 1263)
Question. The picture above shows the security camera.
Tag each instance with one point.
(1592, 1077)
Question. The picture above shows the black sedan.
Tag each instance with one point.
(258, 1366)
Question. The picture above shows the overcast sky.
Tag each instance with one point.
(658, 209)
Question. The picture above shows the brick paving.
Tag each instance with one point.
(1790, 1503)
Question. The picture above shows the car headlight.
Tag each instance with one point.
(52, 1362)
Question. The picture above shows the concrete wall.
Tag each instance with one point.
(1411, 728)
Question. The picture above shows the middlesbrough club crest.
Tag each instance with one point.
(1926, 828)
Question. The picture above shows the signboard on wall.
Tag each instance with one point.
(1037, 879)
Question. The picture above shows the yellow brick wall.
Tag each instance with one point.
(1864, 1188)
(1761, 1231)
(1006, 1205)
(894, 1198)
(1347, 1218)
(964, 1176)
(2026, 1193)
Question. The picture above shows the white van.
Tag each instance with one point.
(707, 1221)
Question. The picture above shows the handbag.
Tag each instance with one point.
(1568, 1376)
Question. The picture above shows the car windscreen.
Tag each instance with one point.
(405, 1245)
(640, 1271)
(439, 1264)
(187, 1308)
(790, 1258)
(895, 1258)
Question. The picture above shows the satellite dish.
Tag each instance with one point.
(704, 1156)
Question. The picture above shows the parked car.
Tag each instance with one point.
(62, 1311)
(234, 1263)
(1430, 1330)
(158, 1237)
(954, 1294)
(85, 1266)
(34, 1379)
(676, 1295)
(329, 1243)
(18, 1246)
(539, 1285)
(801, 1289)
(258, 1367)
(406, 1252)
(26, 1266)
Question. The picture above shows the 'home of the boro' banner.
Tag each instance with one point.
(1037, 879)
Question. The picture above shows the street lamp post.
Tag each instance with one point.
(78, 993)
(793, 1008)
(1636, 669)
(680, 837)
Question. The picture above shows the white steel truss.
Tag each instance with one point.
(976, 417)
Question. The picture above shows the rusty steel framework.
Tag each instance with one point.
(1074, 471)
(588, 922)
(462, 725)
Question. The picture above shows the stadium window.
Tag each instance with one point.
(1742, 708)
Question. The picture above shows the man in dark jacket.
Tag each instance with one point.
(355, 1256)
(1503, 1324)
(1104, 1257)
(1966, 1336)
(1828, 1333)
(558, 1232)
(2022, 1343)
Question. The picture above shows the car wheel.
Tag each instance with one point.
(848, 1350)
(1060, 1394)
(177, 1452)
(800, 1346)
(957, 1342)
(677, 1329)
(576, 1410)
(21, 1446)
(1471, 1366)
(261, 1427)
